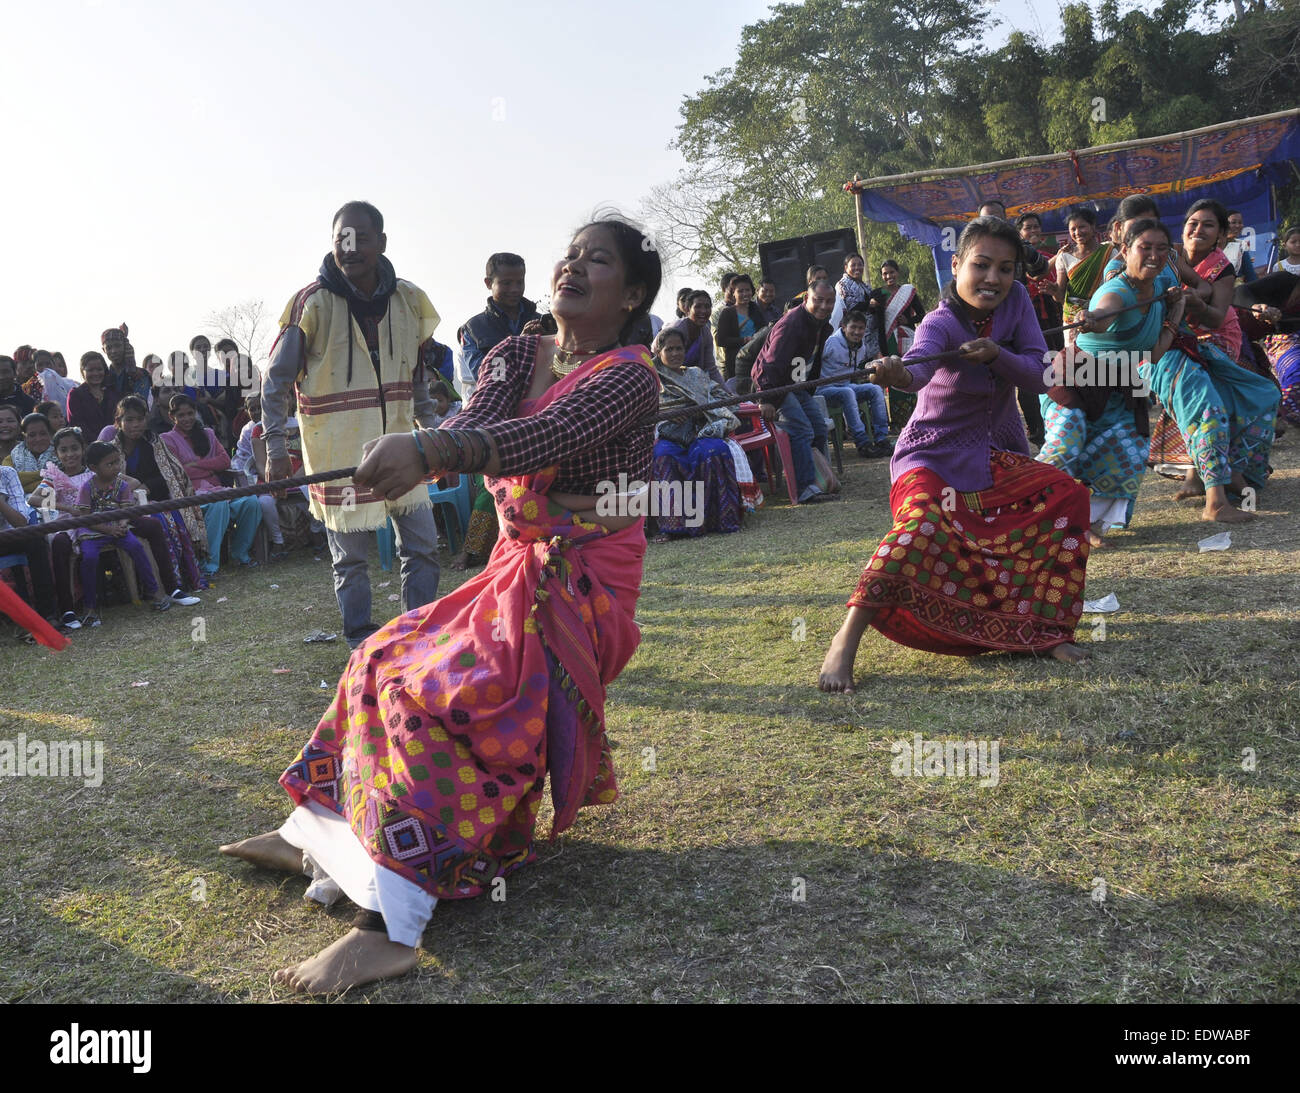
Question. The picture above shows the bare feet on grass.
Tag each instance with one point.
(1226, 514)
(359, 956)
(1094, 536)
(837, 669)
(270, 851)
(1220, 510)
(1071, 654)
(1192, 487)
(460, 561)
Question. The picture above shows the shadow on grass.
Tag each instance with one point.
(781, 920)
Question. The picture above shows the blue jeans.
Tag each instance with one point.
(801, 419)
(848, 395)
(416, 540)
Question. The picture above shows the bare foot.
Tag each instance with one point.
(1071, 654)
(270, 851)
(837, 669)
(1192, 487)
(1226, 514)
(1094, 540)
(359, 956)
(460, 561)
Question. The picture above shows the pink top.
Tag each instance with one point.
(1227, 335)
(202, 472)
(66, 490)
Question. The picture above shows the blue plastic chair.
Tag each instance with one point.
(456, 498)
(385, 540)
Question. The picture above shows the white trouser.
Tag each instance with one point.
(325, 837)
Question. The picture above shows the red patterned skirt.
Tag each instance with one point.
(964, 573)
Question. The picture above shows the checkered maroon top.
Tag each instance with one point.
(592, 432)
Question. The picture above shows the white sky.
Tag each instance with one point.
(164, 160)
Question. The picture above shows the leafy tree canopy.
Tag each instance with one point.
(824, 89)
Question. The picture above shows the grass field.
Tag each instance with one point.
(743, 789)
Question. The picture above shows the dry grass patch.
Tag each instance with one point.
(743, 788)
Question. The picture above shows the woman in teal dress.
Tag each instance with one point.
(1226, 414)
(1095, 417)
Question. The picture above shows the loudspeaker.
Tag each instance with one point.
(786, 261)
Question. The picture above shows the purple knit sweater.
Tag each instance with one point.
(965, 411)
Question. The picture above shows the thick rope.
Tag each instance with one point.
(70, 523)
(14, 536)
(869, 373)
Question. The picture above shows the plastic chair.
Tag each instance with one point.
(763, 440)
(385, 540)
(457, 498)
(836, 414)
(116, 561)
(454, 497)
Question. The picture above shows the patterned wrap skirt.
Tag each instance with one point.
(999, 570)
(709, 462)
(482, 531)
(447, 721)
(1107, 455)
(1225, 413)
(1283, 352)
(181, 551)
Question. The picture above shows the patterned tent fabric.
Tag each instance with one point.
(1237, 163)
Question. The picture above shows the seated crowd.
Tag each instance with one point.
(126, 435)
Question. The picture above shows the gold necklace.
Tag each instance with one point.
(569, 360)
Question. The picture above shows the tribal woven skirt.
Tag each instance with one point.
(1107, 455)
(997, 570)
(1283, 352)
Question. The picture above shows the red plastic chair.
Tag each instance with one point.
(758, 437)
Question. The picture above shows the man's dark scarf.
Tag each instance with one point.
(333, 278)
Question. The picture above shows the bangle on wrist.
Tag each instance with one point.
(460, 450)
(435, 450)
(485, 454)
(419, 445)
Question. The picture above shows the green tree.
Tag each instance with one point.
(828, 88)
(818, 90)
(1263, 72)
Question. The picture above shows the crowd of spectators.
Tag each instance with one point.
(192, 424)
